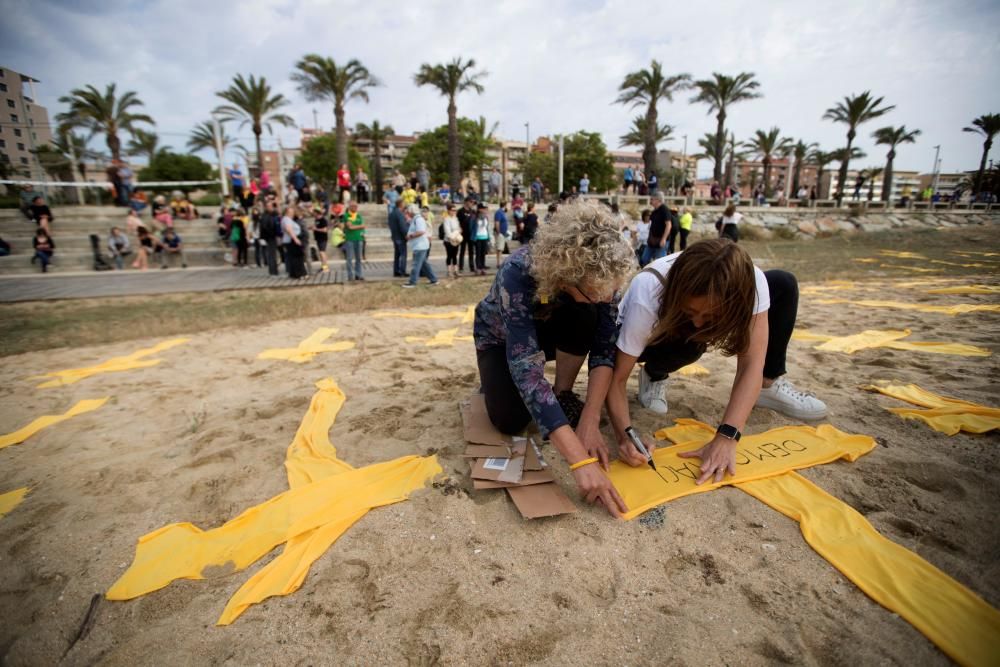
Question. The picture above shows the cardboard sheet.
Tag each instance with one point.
(529, 478)
(485, 451)
(541, 500)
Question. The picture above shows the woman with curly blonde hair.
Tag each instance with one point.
(557, 299)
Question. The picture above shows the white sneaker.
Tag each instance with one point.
(783, 397)
(653, 394)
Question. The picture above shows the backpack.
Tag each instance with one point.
(441, 231)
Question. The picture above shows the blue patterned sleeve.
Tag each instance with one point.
(602, 352)
(525, 357)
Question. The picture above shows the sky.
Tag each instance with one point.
(555, 65)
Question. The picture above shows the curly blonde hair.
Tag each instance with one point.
(580, 244)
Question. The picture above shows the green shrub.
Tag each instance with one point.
(785, 232)
(208, 199)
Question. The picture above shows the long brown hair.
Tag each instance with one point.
(721, 271)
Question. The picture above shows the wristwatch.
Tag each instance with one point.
(728, 431)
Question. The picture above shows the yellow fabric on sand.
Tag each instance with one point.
(693, 369)
(915, 269)
(901, 254)
(772, 453)
(967, 289)
(943, 414)
(890, 339)
(450, 315)
(11, 499)
(957, 620)
(25, 432)
(326, 498)
(113, 365)
(974, 265)
(924, 308)
(441, 338)
(309, 347)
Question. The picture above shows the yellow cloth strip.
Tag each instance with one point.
(113, 365)
(327, 496)
(11, 499)
(915, 269)
(974, 265)
(976, 252)
(967, 289)
(943, 414)
(945, 310)
(441, 338)
(450, 315)
(309, 347)
(772, 453)
(866, 260)
(693, 369)
(898, 254)
(45, 421)
(957, 620)
(891, 339)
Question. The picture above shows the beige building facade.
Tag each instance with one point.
(24, 125)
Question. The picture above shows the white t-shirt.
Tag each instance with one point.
(734, 220)
(642, 231)
(639, 309)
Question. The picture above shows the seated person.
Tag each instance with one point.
(148, 246)
(137, 201)
(172, 249)
(556, 299)
(40, 213)
(44, 246)
(119, 246)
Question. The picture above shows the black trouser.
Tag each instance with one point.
(665, 357)
(295, 260)
(482, 245)
(467, 243)
(451, 253)
(241, 251)
(684, 239)
(732, 232)
(570, 328)
(271, 256)
(671, 238)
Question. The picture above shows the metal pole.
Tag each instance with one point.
(527, 151)
(315, 121)
(217, 131)
(788, 180)
(685, 165)
(934, 178)
(560, 164)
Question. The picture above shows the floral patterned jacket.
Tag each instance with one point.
(505, 318)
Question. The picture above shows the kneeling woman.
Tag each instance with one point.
(709, 295)
(555, 299)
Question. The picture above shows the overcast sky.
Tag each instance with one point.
(555, 64)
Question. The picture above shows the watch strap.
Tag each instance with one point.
(729, 431)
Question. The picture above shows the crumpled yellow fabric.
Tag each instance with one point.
(924, 308)
(326, 497)
(967, 289)
(467, 315)
(915, 269)
(25, 432)
(972, 265)
(11, 499)
(772, 453)
(873, 338)
(958, 621)
(946, 415)
(693, 369)
(115, 364)
(443, 337)
(901, 254)
(309, 347)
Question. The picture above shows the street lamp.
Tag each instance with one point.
(217, 131)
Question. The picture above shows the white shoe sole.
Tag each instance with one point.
(788, 411)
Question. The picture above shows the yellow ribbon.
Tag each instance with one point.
(113, 365)
(25, 432)
(946, 415)
(873, 338)
(441, 338)
(11, 499)
(945, 310)
(309, 347)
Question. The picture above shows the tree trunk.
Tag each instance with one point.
(982, 165)
(842, 177)
(649, 149)
(454, 175)
(115, 146)
(767, 176)
(720, 140)
(820, 172)
(260, 159)
(341, 130)
(796, 176)
(887, 176)
(378, 173)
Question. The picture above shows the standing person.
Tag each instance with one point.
(481, 235)
(452, 239)
(409, 195)
(418, 239)
(529, 226)
(729, 223)
(320, 231)
(710, 295)
(389, 198)
(659, 231)
(555, 300)
(238, 239)
(119, 246)
(294, 252)
(397, 230)
(398, 180)
(715, 193)
(424, 177)
(173, 246)
(466, 216)
(344, 183)
(627, 177)
(125, 177)
(270, 232)
(684, 225)
(642, 235)
(236, 180)
(115, 179)
(501, 231)
(265, 182)
(496, 183)
(297, 179)
(44, 247)
(363, 186)
(354, 232)
(653, 184)
(537, 190)
(584, 185)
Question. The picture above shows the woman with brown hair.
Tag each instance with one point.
(710, 295)
(729, 224)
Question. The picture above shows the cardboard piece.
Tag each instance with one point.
(477, 425)
(501, 469)
(540, 500)
(532, 457)
(529, 478)
(487, 451)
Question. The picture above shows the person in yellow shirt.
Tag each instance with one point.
(687, 219)
(409, 195)
(424, 199)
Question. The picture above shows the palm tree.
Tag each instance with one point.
(636, 135)
(106, 114)
(203, 137)
(854, 111)
(377, 134)
(451, 79)
(321, 78)
(987, 125)
(145, 144)
(706, 143)
(250, 101)
(842, 155)
(734, 156)
(820, 158)
(870, 174)
(800, 151)
(892, 137)
(648, 87)
(718, 93)
(768, 145)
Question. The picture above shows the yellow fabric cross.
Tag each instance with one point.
(11, 499)
(115, 364)
(308, 348)
(25, 432)
(915, 269)
(467, 315)
(946, 415)
(325, 498)
(900, 254)
(901, 305)
(443, 337)
(891, 339)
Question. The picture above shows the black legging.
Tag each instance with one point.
(665, 357)
(482, 245)
(295, 260)
(467, 243)
(241, 252)
(674, 231)
(731, 231)
(451, 252)
(570, 327)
